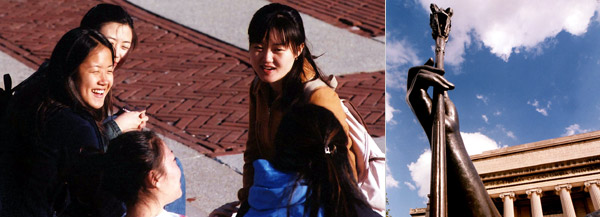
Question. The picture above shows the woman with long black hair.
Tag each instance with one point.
(54, 129)
(283, 64)
(309, 174)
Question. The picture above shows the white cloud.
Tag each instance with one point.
(508, 133)
(541, 109)
(511, 135)
(399, 53)
(410, 186)
(482, 98)
(574, 129)
(396, 78)
(389, 110)
(477, 143)
(485, 118)
(497, 113)
(507, 26)
(390, 181)
(598, 9)
(400, 56)
(420, 172)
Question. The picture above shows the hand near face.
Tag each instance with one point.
(132, 120)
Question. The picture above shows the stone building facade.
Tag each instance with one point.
(551, 178)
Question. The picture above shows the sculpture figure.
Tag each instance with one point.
(466, 194)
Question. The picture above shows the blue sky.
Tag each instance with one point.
(524, 71)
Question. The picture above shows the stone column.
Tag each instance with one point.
(592, 187)
(536, 203)
(508, 198)
(565, 199)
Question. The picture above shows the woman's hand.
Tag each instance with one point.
(226, 210)
(420, 78)
(132, 120)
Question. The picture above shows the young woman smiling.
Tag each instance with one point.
(117, 26)
(55, 129)
(283, 64)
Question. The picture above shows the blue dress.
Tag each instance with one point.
(271, 194)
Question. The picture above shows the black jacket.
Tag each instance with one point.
(50, 167)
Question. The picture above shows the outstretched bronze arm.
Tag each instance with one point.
(466, 194)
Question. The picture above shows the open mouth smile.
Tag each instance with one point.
(98, 92)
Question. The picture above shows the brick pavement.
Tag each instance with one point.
(363, 17)
(194, 87)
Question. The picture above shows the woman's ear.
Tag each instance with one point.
(300, 49)
(152, 179)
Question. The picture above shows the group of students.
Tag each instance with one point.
(63, 154)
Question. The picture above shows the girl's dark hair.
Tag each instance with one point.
(102, 14)
(59, 88)
(129, 159)
(301, 141)
(285, 21)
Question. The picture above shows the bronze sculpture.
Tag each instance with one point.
(466, 194)
(439, 20)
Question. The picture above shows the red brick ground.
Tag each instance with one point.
(194, 87)
(364, 17)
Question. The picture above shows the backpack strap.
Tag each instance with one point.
(354, 113)
(5, 94)
(311, 86)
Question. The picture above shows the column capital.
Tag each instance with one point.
(537, 191)
(589, 183)
(565, 186)
(510, 195)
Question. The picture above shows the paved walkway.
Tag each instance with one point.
(193, 81)
(228, 21)
(363, 17)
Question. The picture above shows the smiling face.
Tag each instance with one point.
(95, 76)
(169, 184)
(272, 59)
(120, 36)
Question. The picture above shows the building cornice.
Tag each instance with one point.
(542, 173)
(538, 145)
(543, 168)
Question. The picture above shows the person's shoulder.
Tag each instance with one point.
(165, 213)
(66, 116)
(66, 122)
(265, 175)
(325, 90)
(325, 97)
(364, 211)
